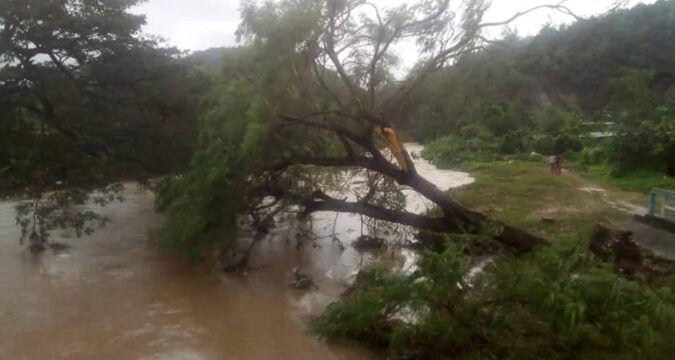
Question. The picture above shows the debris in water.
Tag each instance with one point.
(302, 281)
(367, 242)
(231, 260)
(57, 246)
(36, 243)
(413, 245)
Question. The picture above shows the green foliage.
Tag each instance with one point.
(211, 194)
(63, 209)
(95, 98)
(638, 180)
(86, 100)
(554, 120)
(511, 143)
(502, 117)
(213, 60)
(557, 301)
(241, 132)
(593, 155)
(529, 193)
(550, 92)
(452, 151)
(644, 124)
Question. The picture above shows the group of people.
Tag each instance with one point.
(556, 164)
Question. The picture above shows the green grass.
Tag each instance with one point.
(520, 193)
(557, 300)
(640, 181)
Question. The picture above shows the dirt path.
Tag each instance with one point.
(661, 242)
(629, 202)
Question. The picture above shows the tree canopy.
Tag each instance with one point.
(87, 99)
(612, 74)
(305, 119)
(317, 91)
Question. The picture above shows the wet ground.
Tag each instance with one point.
(114, 296)
(658, 241)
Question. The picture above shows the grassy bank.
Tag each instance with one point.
(526, 195)
(557, 302)
(639, 181)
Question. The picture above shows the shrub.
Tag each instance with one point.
(453, 151)
(556, 301)
(544, 144)
(511, 143)
(593, 155)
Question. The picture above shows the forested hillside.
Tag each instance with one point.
(212, 60)
(610, 77)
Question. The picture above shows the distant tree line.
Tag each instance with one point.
(610, 77)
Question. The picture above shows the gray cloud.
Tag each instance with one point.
(200, 24)
(192, 24)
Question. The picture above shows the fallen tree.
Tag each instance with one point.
(316, 90)
(352, 42)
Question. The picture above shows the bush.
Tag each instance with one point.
(453, 151)
(593, 155)
(557, 301)
(544, 145)
(565, 143)
(560, 144)
(511, 143)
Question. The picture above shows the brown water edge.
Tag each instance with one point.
(113, 296)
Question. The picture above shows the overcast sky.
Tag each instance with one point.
(201, 24)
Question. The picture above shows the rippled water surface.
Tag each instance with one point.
(114, 296)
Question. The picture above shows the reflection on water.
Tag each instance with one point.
(113, 296)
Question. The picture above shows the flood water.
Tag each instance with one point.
(114, 296)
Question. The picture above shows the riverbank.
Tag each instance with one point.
(560, 300)
(638, 181)
(568, 206)
(526, 195)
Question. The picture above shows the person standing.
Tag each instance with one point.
(558, 164)
(552, 161)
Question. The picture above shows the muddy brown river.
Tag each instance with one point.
(113, 295)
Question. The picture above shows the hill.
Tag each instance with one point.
(608, 75)
(213, 59)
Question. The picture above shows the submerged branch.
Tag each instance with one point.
(322, 202)
(507, 235)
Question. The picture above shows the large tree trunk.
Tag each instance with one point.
(455, 218)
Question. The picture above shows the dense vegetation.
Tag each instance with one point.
(205, 205)
(310, 109)
(303, 95)
(561, 302)
(286, 105)
(600, 90)
(86, 99)
(557, 303)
